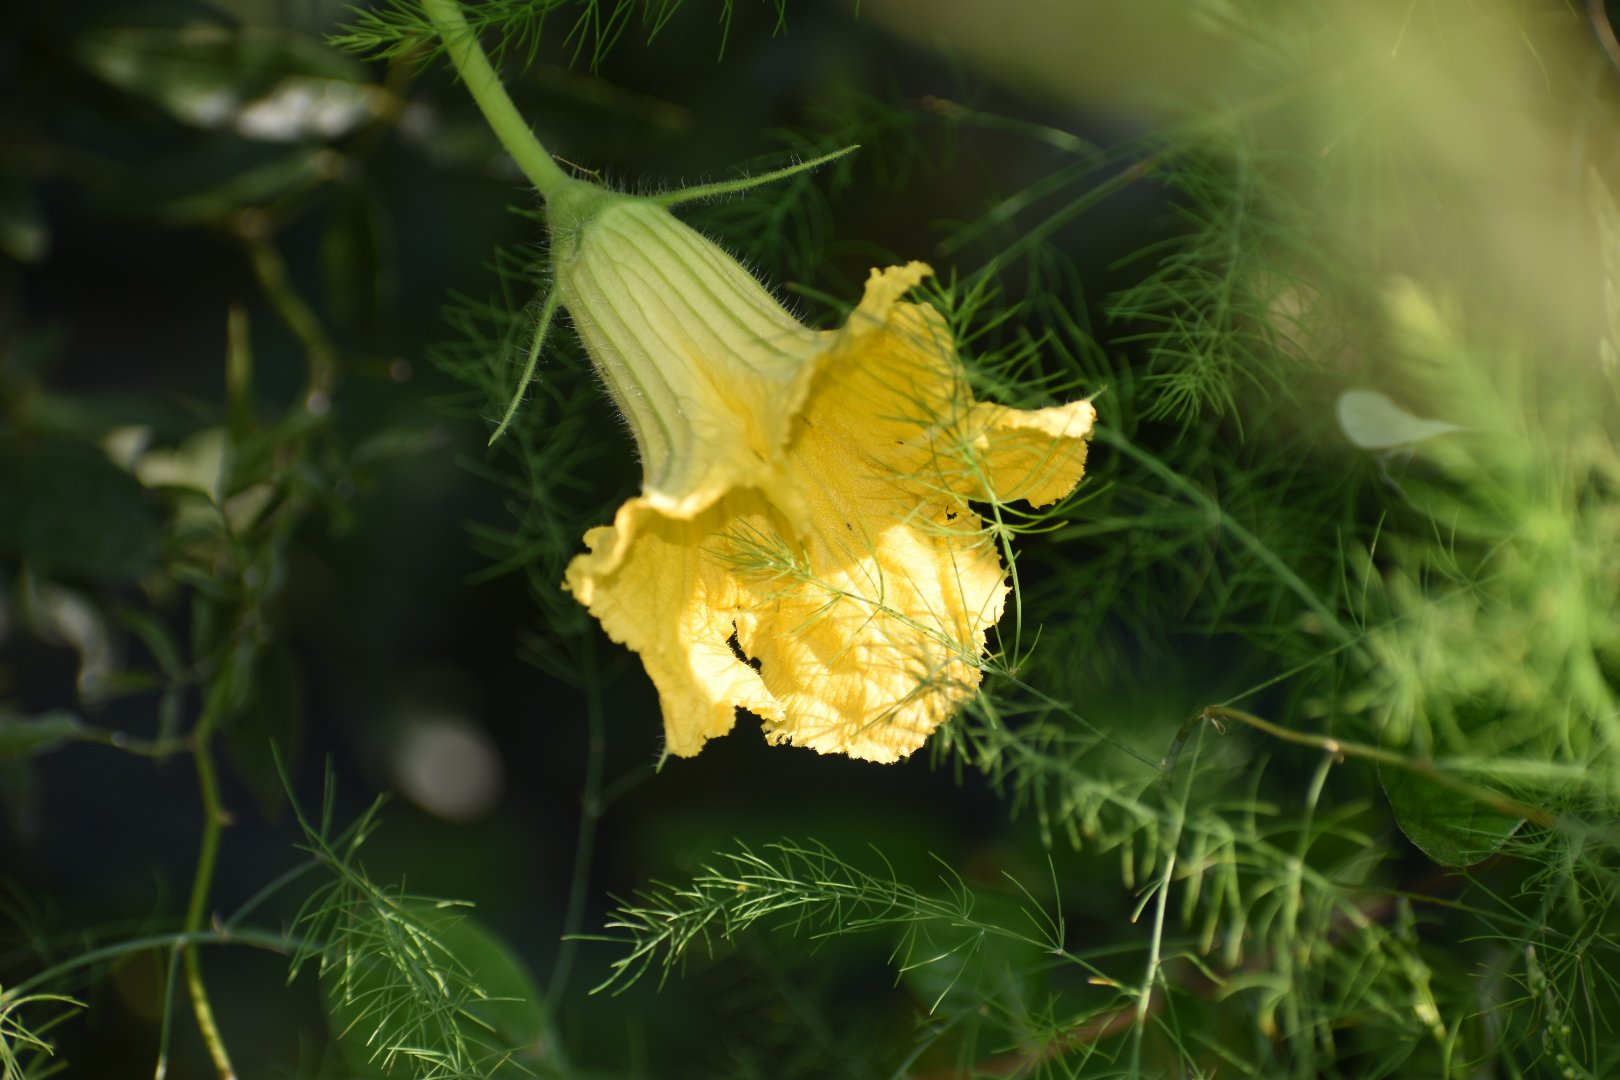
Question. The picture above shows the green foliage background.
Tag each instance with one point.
(1296, 758)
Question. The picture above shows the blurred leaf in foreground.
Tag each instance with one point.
(1449, 828)
(107, 531)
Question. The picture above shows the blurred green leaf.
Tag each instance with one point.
(503, 1016)
(1447, 826)
(275, 85)
(69, 510)
(399, 441)
(157, 639)
(455, 142)
(269, 722)
(356, 273)
(513, 1008)
(155, 418)
(1607, 215)
(210, 620)
(960, 965)
(198, 195)
(24, 736)
(241, 410)
(260, 458)
(23, 232)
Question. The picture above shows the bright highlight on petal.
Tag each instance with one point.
(803, 547)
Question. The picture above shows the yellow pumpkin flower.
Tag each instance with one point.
(803, 546)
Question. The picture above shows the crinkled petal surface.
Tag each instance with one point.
(844, 597)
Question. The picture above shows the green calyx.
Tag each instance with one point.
(570, 207)
(570, 204)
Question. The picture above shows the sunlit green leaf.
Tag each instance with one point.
(1372, 421)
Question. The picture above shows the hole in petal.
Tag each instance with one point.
(737, 650)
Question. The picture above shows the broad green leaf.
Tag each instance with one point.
(513, 1009)
(1445, 824)
(68, 510)
(500, 1016)
(24, 736)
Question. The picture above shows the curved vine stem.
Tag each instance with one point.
(1218, 714)
(472, 64)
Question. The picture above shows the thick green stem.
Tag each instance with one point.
(461, 43)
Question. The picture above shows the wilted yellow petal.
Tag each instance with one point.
(878, 640)
(654, 589)
(1035, 455)
(804, 547)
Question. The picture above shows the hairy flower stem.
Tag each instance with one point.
(473, 65)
